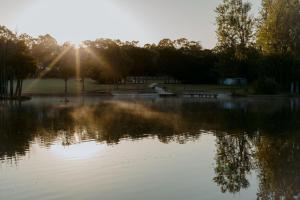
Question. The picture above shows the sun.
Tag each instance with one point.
(77, 43)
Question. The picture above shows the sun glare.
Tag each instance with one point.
(79, 151)
(49, 67)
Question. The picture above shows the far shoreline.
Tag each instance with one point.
(110, 94)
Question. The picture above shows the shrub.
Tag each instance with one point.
(265, 86)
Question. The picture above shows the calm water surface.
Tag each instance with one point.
(146, 149)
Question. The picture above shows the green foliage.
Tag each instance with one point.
(273, 61)
(235, 33)
(279, 27)
(234, 25)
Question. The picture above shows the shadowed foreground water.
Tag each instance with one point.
(134, 149)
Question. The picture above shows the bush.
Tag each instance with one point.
(266, 86)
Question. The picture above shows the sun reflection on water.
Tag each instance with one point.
(79, 151)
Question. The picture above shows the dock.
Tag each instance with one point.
(161, 91)
(200, 94)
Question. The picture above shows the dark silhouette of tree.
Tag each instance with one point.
(16, 63)
(7, 44)
(45, 50)
(23, 65)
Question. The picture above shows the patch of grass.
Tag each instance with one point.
(178, 88)
(56, 86)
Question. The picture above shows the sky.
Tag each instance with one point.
(147, 21)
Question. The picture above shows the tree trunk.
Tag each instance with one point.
(1, 83)
(66, 90)
(4, 83)
(11, 85)
(116, 84)
(292, 88)
(20, 89)
(17, 88)
(83, 84)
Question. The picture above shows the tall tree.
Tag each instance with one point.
(278, 36)
(279, 27)
(16, 62)
(45, 50)
(66, 65)
(7, 46)
(235, 25)
(235, 33)
(23, 66)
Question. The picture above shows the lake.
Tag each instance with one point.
(150, 148)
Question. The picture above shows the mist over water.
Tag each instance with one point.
(148, 148)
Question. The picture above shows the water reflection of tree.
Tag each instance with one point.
(234, 162)
(20, 125)
(274, 151)
(114, 121)
(106, 122)
(15, 131)
(278, 160)
(276, 155)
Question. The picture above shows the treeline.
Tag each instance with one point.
(111, 61)
(267, 151)
(265, 50)
(16, 63)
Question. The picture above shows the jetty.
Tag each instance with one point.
(161, 91)
(200, 94)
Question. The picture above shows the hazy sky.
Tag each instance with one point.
(143, 20)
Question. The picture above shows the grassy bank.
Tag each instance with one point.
(56, 86)
(179, 88)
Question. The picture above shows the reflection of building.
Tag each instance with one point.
(232, 105)
(234, 81)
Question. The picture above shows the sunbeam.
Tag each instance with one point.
(95, 56)
(48, 68)
(78, 69)
(99, 59)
